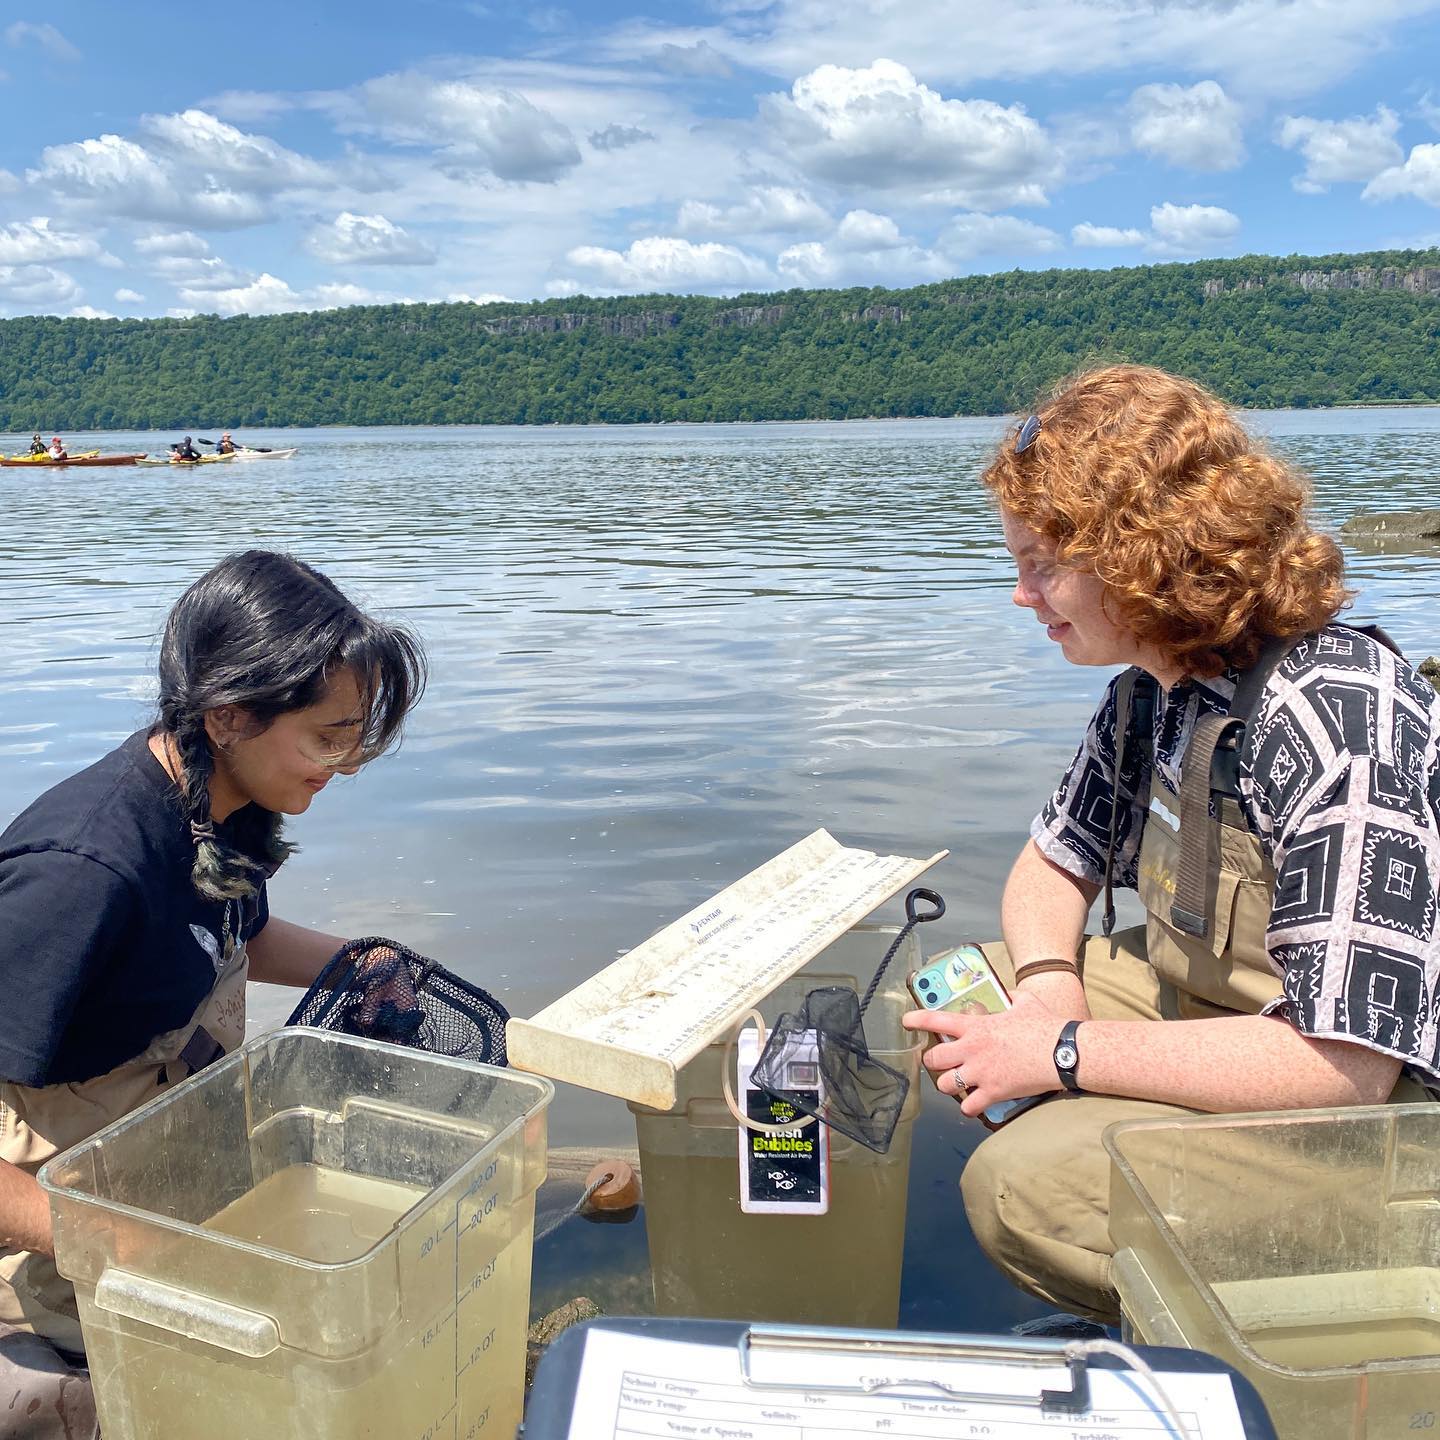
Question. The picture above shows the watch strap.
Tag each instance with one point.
(1068, 1046)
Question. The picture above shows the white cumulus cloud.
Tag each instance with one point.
(1104, 237)
(1356, 149)
(199, 272)
(190, 168)
(818, 263)
(864, 230)
(1419, 177)
(1191, 229)
(34, 242)
(882, 129)
(88, 312)
(668, 263)
(195, 140)
(967, 236)
(267, 294)
(121, 177)
(1197, 126)
(127, 296)
(40, 287)
(351, 239)
(870, 249)
(768, 209)
(172, 242)
(493, 129)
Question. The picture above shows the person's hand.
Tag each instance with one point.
(1000, 1057)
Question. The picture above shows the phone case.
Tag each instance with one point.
(962, 980)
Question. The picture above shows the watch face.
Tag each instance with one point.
(1065, 1057)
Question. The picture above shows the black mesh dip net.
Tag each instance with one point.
(860, 1096)
(382, 990)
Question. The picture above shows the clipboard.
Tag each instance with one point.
(850, 1373)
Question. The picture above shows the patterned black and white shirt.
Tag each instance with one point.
(1340, 782)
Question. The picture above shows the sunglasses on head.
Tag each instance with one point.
(1027, 435)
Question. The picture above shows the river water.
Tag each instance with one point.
(660, 656)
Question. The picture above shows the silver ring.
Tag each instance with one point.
(959, 1078)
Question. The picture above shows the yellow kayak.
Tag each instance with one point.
(200, 460)
(46, 460)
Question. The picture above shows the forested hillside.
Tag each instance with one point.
(1291, 331)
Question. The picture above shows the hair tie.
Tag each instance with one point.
(201, 830)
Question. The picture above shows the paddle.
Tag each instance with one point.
(261, 449)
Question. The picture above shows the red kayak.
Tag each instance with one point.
(44, 462)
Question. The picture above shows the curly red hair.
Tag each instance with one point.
(1201, 538)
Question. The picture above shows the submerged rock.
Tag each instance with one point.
(1404, 524)
(557, 1322)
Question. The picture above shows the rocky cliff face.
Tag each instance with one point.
(643, 322)
(1422, 280)
(746, 317)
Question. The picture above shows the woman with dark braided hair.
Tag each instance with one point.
(133, 898)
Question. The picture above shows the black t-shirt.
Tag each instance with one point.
(104, 941)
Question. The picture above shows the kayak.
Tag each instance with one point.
(199, 460)
(92, 457)
(263, 454)
(44, 458)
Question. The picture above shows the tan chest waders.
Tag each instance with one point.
(37, 1123)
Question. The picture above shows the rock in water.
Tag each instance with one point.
(543, 1331)
(1401, 524)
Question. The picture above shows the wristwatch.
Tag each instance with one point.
(1067, 1055)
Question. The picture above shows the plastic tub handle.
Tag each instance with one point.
(197, 1317)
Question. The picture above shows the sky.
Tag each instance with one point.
(165, 158)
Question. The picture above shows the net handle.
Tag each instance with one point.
(913, 917)
(746, 1123)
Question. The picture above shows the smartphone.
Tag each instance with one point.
(962, 980)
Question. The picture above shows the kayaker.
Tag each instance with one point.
(133, 901)
(37, 445)
(185, 450)
(1290, 955)
(226, 445)
(57, 449)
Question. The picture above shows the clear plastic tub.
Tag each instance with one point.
(841, 1268)
(1302, 1248)
(317, 1236)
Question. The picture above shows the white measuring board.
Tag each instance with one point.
(627, 1030)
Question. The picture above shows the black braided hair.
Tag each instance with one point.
(263, 632)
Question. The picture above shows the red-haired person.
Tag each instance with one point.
(1266, 778)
